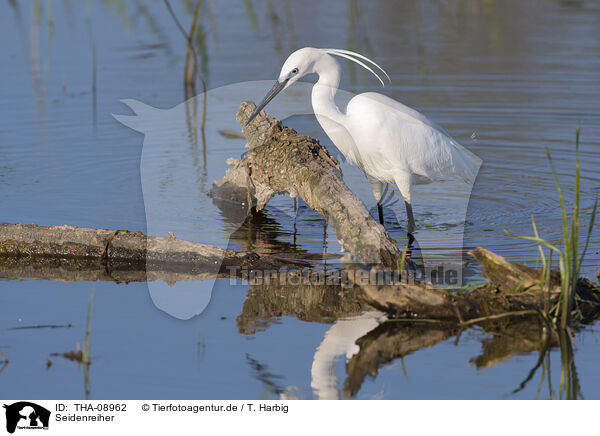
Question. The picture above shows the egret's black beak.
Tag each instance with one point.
(276, 89)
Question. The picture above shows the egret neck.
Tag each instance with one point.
(328, 114)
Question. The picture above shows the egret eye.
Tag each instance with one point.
(295, 71)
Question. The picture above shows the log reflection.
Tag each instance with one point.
(358, 333)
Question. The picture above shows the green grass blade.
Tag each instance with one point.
(403, 260)
(569, 259)
(589, 233)
(540, 249)
(566, 270)
(537, 240)
(574, 238)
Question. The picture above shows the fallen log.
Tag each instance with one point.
(74, 253)
(517, 282)
(511, 290)
(419, 300)
(280, 161)
(131, 250)
(508, 277)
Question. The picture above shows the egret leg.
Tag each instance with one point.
(405, 184)
(325, 242)
(411, 223)
(377, 188)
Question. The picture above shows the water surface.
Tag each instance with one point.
(506, 79)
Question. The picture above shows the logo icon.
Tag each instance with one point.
(26, 415)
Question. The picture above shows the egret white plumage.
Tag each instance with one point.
(389, 141)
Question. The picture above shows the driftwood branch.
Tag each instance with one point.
(511, 289)
(125, 249)
(280, 161)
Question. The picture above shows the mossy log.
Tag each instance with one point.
(280, 161)
(511, 278)
(511, 288)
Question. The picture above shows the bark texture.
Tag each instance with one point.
(133, 249)
(280, 161)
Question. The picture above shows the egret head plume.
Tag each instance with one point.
(305, 61)
(355, 57)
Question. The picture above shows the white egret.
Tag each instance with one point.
(389, 141)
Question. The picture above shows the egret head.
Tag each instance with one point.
(297, 65)
(305, 61)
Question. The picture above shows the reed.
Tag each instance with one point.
(570, 260)
(85, 354)
(191, 69)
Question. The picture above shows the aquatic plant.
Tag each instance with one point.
(85, 355)
(570, 260)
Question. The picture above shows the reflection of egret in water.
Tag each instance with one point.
(340, 340)
(368, 342)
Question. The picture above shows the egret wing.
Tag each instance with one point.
(391, 137)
